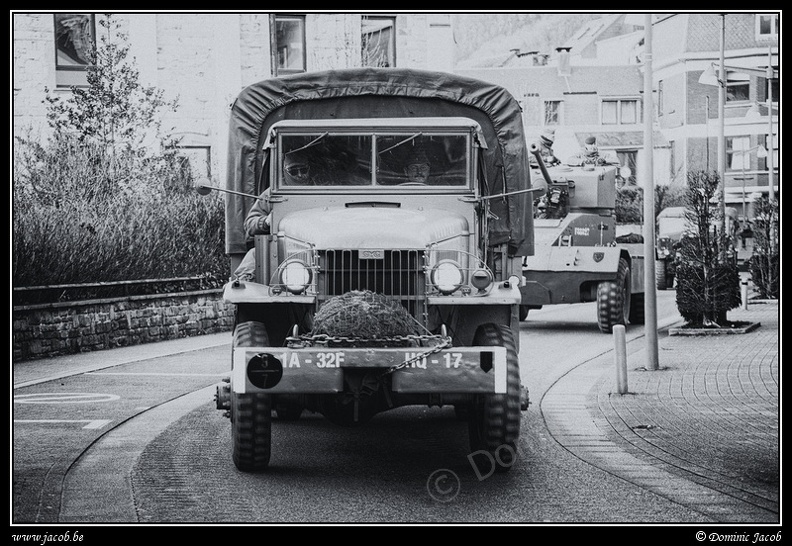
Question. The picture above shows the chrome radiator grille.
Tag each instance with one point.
(397, 274)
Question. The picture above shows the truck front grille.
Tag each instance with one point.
(397, 274)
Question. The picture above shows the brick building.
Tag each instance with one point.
(206, 59)
(592, 84)
(686, 46)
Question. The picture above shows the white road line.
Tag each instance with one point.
(92, 424)
(64, 398)
(162, 374)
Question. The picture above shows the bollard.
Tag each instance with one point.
(620, 341)
(744, 294)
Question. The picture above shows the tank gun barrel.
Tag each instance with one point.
(534, 149)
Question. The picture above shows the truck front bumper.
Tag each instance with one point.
(320, 370)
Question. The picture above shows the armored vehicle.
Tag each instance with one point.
(671, 226)
(399, 210)
(578, 257)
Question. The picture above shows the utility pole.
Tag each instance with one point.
(650, 290)
(770, 175)
(722, 131)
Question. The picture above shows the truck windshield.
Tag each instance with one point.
(387, 159)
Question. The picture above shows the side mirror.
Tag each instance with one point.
(203, 186)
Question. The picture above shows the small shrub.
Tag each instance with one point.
(106, 198)
(708, 280)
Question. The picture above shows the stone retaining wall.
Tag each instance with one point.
(41, 331)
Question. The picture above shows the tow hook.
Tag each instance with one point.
(223, 396)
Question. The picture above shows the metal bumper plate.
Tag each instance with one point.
(321, 370)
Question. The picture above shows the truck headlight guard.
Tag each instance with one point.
(295, 276)
(447, 276)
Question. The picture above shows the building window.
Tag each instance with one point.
(620, 112)
(763, 160)
(75, 41)
(738, 86)
(767, 26)
(775, 88)
(289, 46)
(628, 158)
(378, 41)
(552, 112)
(735, 159)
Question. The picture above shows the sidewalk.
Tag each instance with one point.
(707, 421)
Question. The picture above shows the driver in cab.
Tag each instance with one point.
(417, 168)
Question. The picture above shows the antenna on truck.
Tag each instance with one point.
(204, 187)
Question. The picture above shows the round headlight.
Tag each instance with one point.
(295, 276)
(447, 276)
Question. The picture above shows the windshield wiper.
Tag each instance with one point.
(406, 140)
(312, 143)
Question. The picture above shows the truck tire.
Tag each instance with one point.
(613, 299)
(524, 312)
(637, 311)
(661, 278)
(251, 414)
(494, 419)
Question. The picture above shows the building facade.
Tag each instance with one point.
(687, 48)
(592, 84)
(204, 60)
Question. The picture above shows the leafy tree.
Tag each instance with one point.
(629, 205)
(668, 196)
(105, 197)
(114, 110)
(708, 281)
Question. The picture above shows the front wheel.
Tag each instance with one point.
(494, 419)
(251, 413)
(613, 299)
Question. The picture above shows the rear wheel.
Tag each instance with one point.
(661, 274)
(613, 299)
(494, 419)
(251, 413)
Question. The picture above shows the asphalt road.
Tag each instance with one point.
(142, 442)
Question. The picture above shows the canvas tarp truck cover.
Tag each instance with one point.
(385, 93)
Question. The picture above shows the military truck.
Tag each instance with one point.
(671, 227)
(578, 257)
(376, 289)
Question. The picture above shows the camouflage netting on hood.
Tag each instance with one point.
(364, 315)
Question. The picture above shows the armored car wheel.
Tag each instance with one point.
(494, 419)
(524, 309)
(251, 414)
(613, 299)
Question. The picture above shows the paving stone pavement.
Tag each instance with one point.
(702, 430)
